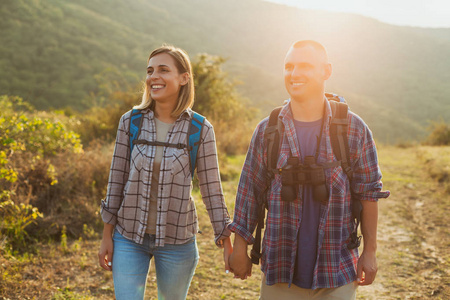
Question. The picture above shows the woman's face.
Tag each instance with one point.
(163, 79)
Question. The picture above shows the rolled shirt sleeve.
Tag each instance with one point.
(366, 182)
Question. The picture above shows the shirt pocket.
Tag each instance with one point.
(338, 181)
(139, 157)
(180, 163)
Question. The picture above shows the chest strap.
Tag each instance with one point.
(163, 144)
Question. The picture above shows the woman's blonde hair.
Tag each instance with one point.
(186, 95)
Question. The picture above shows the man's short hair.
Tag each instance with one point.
(316, 45)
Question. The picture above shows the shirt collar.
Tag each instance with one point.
(185, 113)
(286, 112)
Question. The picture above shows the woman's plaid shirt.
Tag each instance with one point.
(128, 195)
(335, 263)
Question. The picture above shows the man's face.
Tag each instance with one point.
(305, 72)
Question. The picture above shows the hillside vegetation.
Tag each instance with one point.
(56, 54)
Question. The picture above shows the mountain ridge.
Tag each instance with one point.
(395, 77)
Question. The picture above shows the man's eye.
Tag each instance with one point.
(149, 72)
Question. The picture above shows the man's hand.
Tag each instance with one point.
(367, 263)
(367, 268)
(240, 263)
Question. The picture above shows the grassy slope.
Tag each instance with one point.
(395, 77)
(413, 256)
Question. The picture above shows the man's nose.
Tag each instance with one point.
(296, 72)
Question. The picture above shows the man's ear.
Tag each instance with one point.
(327, 71)
(185, 78)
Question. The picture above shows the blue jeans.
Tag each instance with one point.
(174, 264)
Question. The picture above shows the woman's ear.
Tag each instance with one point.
(184, 78)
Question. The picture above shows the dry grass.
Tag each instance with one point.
(413, 236)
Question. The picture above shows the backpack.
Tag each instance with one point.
(339, 144)
(193, 137)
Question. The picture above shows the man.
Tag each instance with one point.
(305, 247)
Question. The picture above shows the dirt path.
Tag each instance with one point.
(413, 236)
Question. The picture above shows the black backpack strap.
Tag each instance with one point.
(339, 143)
(339, 139)
(255, 254)
(272, 137)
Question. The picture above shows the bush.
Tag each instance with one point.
(439, 134)
(14, 220)
(30, 143)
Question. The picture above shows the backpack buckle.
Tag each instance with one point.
(355, 241)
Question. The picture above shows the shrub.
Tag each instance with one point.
(28, 143)
(439, 134)
(14, 220)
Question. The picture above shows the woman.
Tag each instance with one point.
(148, 211)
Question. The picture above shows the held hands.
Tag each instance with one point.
(367, 268)
(240, 263)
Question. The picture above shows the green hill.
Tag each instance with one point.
(55, 53)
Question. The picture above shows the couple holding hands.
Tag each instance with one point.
(149, 212)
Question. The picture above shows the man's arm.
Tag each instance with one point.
(253, 181)
(366, 186)
(367, 263)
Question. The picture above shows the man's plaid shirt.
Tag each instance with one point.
(128, 195)
(335, 263)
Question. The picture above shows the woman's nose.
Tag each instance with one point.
(154, 75)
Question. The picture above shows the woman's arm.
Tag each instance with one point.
(105, 253)
(210, 184)
(211, 190)
(118, 175)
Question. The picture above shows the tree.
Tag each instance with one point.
(216, 98)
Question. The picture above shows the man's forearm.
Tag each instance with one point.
(240, 244)
(369, 222)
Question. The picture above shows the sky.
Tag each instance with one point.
(418, 13)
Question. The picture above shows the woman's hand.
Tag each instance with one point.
(227, 250)
(105, 254)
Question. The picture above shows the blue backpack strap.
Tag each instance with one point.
(195, 134)
(134, 127)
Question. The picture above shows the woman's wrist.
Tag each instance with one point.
(108, 230)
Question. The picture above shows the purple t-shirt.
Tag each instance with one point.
(307, 135)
